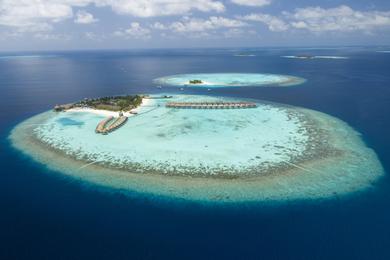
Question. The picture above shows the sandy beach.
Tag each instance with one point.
(106, 113)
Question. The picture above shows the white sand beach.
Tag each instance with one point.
(101, 112)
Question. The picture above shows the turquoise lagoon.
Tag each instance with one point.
(272, 152)
(230, 80)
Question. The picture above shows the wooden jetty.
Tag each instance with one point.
(120, 121)
(101, 127)
(110, 124)
(211, 105)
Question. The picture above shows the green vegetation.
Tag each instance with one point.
(114, 103)
(196, 81)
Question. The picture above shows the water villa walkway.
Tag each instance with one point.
(211, 105)
(105, 126)
(100, 128)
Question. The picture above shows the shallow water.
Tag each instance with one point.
(162, 138)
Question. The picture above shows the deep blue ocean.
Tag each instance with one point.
(44, 215)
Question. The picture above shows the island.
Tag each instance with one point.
(113, 103)
(244, 54)
(195, 81)
(204, 149)
(305, 56)
(107, 106)
(310, 57)
(224, 80)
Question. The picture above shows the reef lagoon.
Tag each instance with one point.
(272, 152)
(212, 80)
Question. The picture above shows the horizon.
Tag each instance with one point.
(313, 47)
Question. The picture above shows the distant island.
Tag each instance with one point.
(196, 81)
(217, 80)
(244, 54)
(310, 57)
(305, 56)
(112, 103)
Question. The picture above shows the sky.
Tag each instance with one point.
(123, 24)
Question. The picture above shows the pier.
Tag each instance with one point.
(100, 128)
(108, 125)
(211, 105)
(120, 121)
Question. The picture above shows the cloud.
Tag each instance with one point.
(158, 26)
(257, 3)
(39, 15)
(97, 37)
(200, 25)
(234, 33)
(316, 19)
(274, 23)
(33, 15)
(342, 18)
(136, 31)
(52, 37)
(83, 17)
(150, 8)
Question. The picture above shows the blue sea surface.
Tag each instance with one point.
(45, 215)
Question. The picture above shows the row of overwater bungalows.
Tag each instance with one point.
(110, 124)
(211, 105)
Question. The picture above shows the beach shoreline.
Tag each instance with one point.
(107, 113)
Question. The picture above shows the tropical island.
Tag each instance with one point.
(112, 103)
(305, 56)
(116, 110)
(223, 80)
(203, 148)
(310, 57)
(195, 81)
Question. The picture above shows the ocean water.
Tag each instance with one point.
(45, 215)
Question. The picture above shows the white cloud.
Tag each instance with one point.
(39, 15)
(95, 36)
(150, 8)
(316, 19)
(342, 18)
(257, 3)
(201, 25)
(136, 31)
(52, 37)
(33, 15)
(83, 17)
(274, 23)
(158, 26)
(234, 33)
